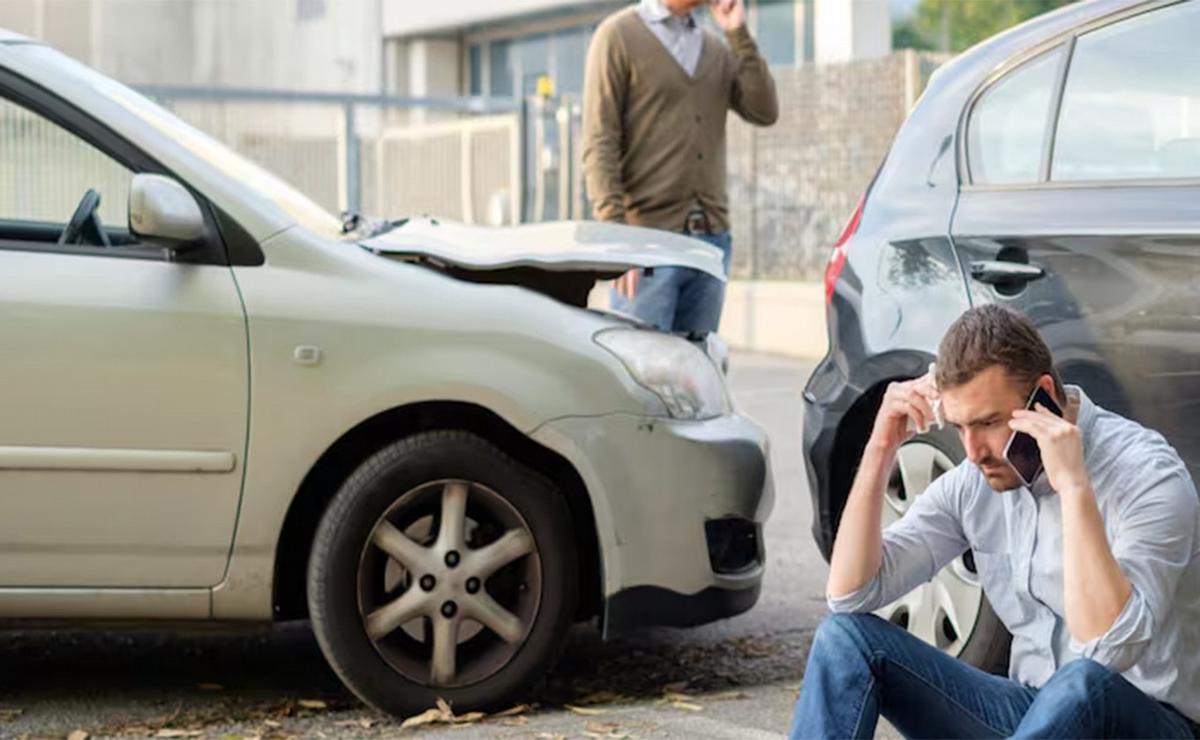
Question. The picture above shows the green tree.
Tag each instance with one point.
(954, 25)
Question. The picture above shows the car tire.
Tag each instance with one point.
(384, 623)
(986, 643)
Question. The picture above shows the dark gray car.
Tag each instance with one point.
(1056, 169)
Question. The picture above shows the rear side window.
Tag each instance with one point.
(1131, 105)
(1007, 131)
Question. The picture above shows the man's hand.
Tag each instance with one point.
(627, 284)
(1061, 444)
(911, 400)
(729, 14)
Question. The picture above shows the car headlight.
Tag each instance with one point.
(676, 370)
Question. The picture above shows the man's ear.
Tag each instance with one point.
(1046, 382)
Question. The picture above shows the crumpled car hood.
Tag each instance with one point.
(563, 259)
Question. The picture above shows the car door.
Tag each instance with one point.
(1082, 209)
(123, 380)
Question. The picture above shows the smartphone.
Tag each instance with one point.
(1022, 451)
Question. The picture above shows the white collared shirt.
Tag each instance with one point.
(679, 34)
(1152, 518)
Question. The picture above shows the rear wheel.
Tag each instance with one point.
(950, 612)
(442, 569)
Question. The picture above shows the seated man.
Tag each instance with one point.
(1094, 568)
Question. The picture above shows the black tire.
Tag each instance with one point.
(989, 644)
(339, 549)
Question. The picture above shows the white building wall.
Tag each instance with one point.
(237, 43)
(852, 29)
(410, 18)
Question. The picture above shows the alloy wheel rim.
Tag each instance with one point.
(449, 583)
(942, 612)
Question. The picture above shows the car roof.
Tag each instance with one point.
(1048, 25)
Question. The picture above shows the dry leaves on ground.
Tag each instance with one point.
(442, 714)
(602, 697)
(10, 714)
(677, 700)
(78, 735)
(584, 711)
(364, 723)
(312, 704)
(605, 730)
(727, 696)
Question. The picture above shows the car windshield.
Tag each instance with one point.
(296, 204)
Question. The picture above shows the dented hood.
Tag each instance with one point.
(602, 249)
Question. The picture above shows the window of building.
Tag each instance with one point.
(775, 30)
(475, 69)
(500, 69)
(1131, 105)
(307, 10)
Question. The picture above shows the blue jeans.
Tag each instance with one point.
(680, 299)
(861, 666)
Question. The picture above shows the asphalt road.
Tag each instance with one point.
(734, 679)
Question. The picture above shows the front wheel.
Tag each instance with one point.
(442, 569)
(951, 611)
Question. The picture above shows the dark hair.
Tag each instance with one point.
(990, 335)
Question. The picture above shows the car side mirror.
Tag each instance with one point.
(160, 208)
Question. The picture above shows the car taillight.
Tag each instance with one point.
(837, 260)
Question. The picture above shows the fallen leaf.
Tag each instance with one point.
(78, 735)
(313, 704)
(428, 717)
(178, 733)
(444, 708)
(601, 697)
(675, 696)
(602, 727)
(549, 736)
(675, 688)
(210, 687)
(7, 714)
(727, 696)
(583, 711)
(365, 723)
(272, 723)
(515, 721)
(687, 706)
(468, 718)
(512, 711)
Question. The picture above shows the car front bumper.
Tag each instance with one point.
(679, 506)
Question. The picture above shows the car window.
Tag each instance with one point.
(45, 171)
(1131, 105)
(1006, 134)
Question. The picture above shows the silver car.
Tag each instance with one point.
(221, 403)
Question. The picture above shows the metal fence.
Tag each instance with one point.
(457, 158)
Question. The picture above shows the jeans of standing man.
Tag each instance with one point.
(680, 299)
(861, 666)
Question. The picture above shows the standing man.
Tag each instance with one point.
(656, 95)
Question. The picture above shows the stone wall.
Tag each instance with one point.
(793, 186)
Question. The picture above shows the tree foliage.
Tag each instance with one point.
(954, 25)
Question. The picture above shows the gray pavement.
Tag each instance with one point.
(733, 679)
